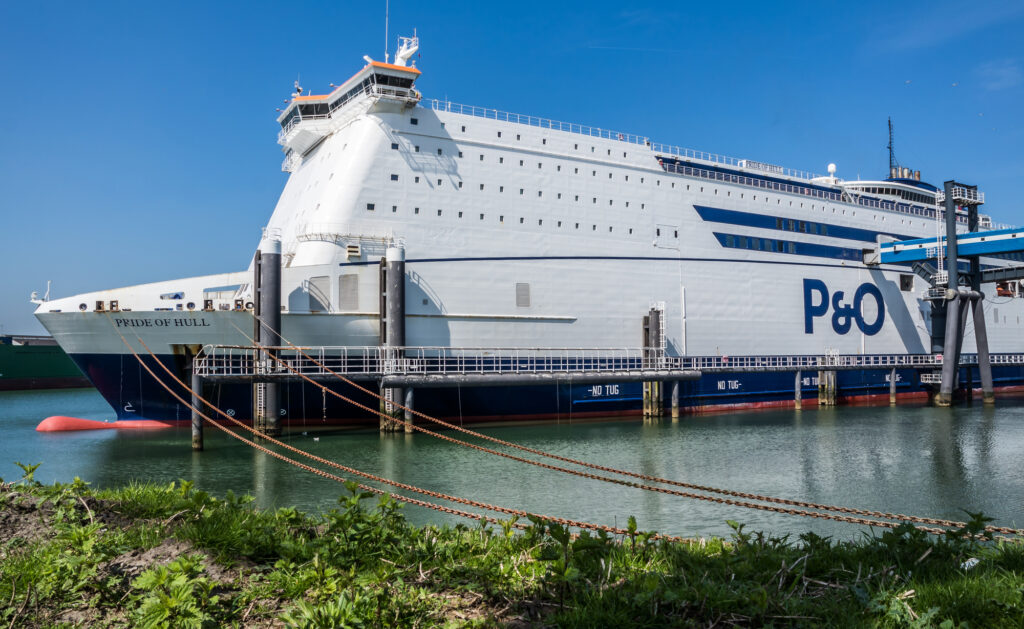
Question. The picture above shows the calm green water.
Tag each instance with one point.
(917, 460)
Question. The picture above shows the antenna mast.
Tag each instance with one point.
(892, 155)
(386, 7)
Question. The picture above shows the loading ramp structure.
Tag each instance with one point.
(954, 293)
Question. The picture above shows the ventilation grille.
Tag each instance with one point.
(353, 251)
(348, 291)
(522, 295)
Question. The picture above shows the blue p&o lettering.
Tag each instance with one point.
(843, 315)
(810, 310)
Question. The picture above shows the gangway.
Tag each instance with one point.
(985, 243)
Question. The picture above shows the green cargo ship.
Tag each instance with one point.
(36, 362)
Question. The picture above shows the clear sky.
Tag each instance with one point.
(138, 138)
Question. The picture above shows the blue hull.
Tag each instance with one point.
(134, 394)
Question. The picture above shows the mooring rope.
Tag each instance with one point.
(726, 501)
(647, 477)
(427, 492)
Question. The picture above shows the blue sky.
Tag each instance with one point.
(139, 137)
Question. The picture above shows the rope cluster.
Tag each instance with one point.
(821, 513)
(647, 477)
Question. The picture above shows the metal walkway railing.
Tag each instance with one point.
(374, 361)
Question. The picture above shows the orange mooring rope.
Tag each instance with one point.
(711, 490)
(426, 492)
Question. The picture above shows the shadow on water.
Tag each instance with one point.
(908, 459)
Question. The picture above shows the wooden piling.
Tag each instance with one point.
(197, 421)
(675, 399)
(892, 387)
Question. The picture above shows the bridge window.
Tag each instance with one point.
(906, 282)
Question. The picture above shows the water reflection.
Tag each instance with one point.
(908, 459)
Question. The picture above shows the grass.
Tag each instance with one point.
(173, 556)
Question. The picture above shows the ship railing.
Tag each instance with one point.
(375, 361)
(534, 121)
(686, 153)
(837, 197)
(608, 134)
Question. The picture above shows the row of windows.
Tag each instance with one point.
(800, 226)
(759, 244)
(522, 191)
(909, 196)
(544, 141)
(372, 207)
(804, 227)
(558, 167)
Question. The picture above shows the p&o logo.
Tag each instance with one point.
(817, 304)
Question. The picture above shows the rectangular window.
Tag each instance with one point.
(778, 223)
(369, 207)
(792, 247)
(416, 149)
(439, 151)
(728, 240)
(414, 120)
(394, 177)
(460, 153)
(394, 146)
(906, 282)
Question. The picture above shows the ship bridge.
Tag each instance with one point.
(310, 118)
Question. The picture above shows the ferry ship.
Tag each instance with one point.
(520, 231)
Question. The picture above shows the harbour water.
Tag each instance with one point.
(909, 459)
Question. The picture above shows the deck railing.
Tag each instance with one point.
(373, 361)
